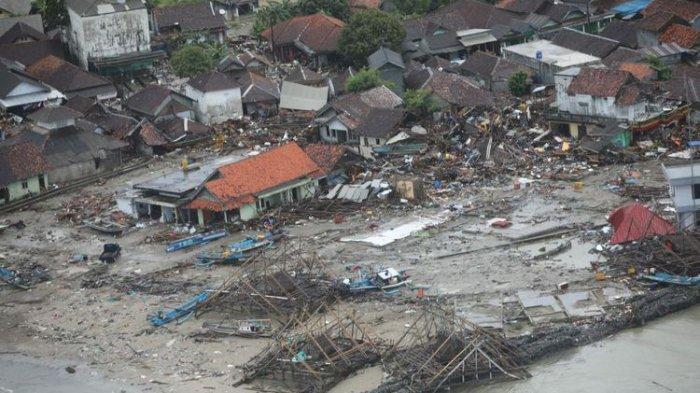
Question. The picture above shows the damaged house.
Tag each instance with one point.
(200, 21)
(167, 135)
(71, 80)
(156, 102)
(20, 91)
(244, 189)
(260, 96)
(595, 95)
(235, 65)
(110, 36)
(309, 38)
(361, 120)
(452, 91)
(547, 59)
(22, 170)
(216, 96)
(492, 72)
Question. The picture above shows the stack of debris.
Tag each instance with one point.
(317, 355)
(439, 351)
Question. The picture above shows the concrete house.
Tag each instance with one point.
(110, 36)
(217, 97)
(547, 59)
(22, 170)
(156, 102)
(201, 21)
(591, 95)
(390, 66)
(684, 188)
(361, 120)
(19, 90)
(71, 80)
(246, 188)
(309, 38)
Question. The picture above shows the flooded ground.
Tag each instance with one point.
(660, 357)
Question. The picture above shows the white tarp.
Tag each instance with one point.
(299, 97)
(382, 237)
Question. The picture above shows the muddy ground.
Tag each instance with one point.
(104, 330)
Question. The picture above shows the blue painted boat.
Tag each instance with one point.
(387, 279)
(185, 310)
(673, 279)
(236, 252)
(195, 240)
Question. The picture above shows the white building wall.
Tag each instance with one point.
(217, 106)
(329, 131)
(108, 35)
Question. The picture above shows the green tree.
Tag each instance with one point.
(193, 59)
(420, 102)
(336, 8)
(365, 79)
(662, 69)
(53, 12)
(517, 83)
(273, 13)
(366, 32)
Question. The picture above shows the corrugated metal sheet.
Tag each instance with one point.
(631, 7)
(634, 222)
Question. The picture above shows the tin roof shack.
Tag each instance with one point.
(71, 80)
(217, 97)
(248, 187)
(309, 38)
(110, 36)
(260, 95)
(20, 91)
(22, 170)
(595, 95)
(546, 59)
(72, 153)
(361, 120)
(200, 21)
(163, 197)
(156, 102)
(390, 66)
(684, 186)
(491, 71)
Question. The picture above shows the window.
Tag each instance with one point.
(696, 191)
(366, 141)
(328, 132)
(378, 142)
(25, 184)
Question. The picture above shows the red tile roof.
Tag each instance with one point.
(20, 161)
(641, 71)
(240, 181)
(325, 155)
(598, 82)
(684, 36)
(687, 10)
(319, 32)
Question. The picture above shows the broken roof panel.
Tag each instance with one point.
(598, 82)
(295, 96)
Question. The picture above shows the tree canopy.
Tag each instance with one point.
(420, 103)
(366, 32)
(517, 83)
(194, 59)
(53, 12)
(365, 79)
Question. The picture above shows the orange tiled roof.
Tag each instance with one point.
(325, 155)
(684, 36)
(242, 180)
(687, 10)
(641, 71)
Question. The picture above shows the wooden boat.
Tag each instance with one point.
(106, 227)
(384, 280)
(250, 328)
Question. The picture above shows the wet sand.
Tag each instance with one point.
(662, 356)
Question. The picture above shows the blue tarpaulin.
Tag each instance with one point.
(631, 7)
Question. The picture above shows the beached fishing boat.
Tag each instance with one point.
(250, 328)
(384, 280)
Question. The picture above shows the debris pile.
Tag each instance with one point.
(675, 254)
(316, 355)
(439, 351)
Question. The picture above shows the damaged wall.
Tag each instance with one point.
(108, 35)
(216, 107)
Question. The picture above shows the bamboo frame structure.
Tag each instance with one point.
(440, 350)
(321, 351)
